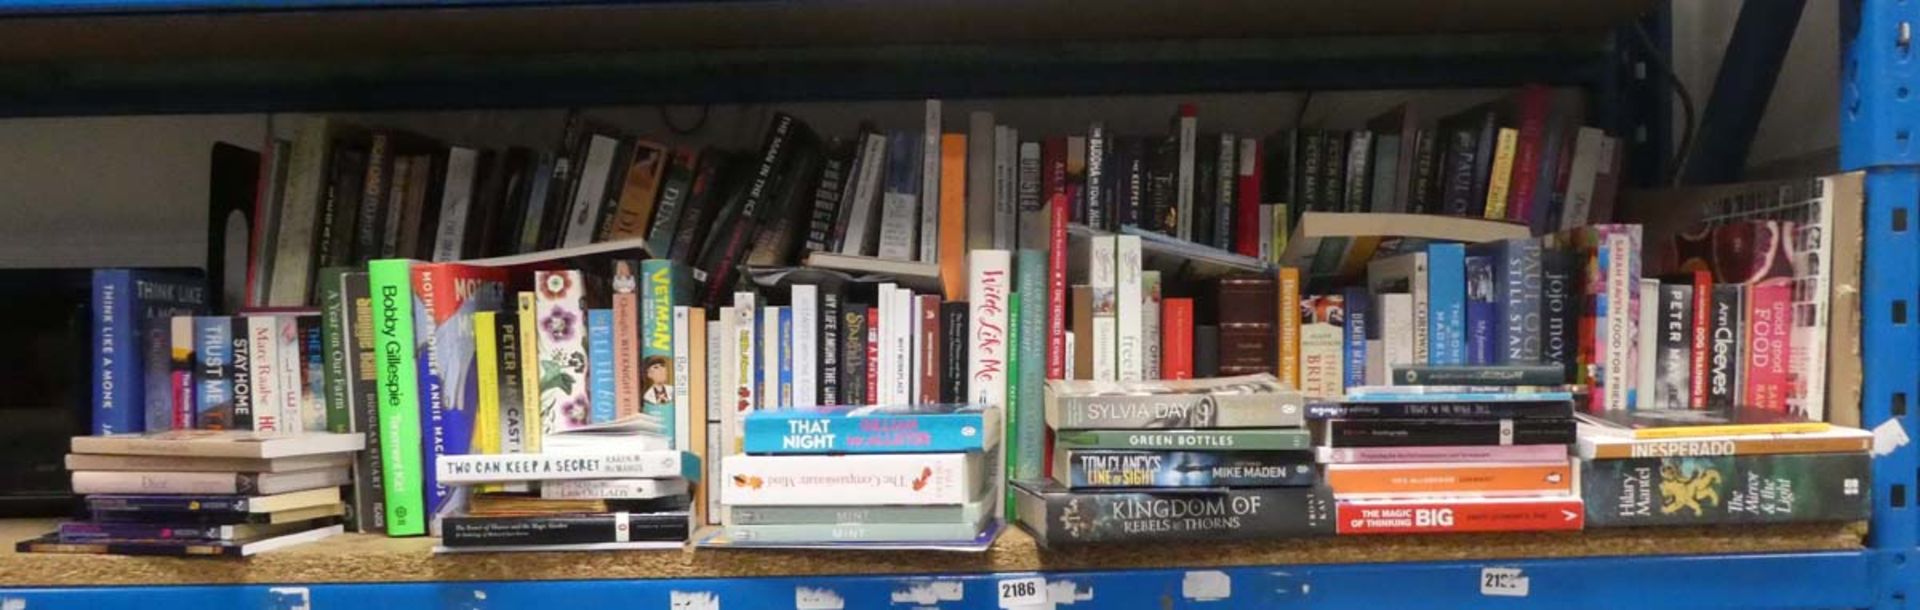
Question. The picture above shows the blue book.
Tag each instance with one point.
(1481, 311)
(600, 364)
(1517, 295)
(918, 428)
(1446, 304)
(1359, 324)
(132, 317)
(786, 356)
(663, 284)
(213, 383)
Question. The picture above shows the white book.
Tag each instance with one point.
(1101, 263)
(1129, 299)
(724, 376)
(456, 197)
(930, 185)
(511, 467)
(263, 354)
(1268, 212)
(885, 369)
(902, 333)
(1646, 370)
(716, 513)
(770, 359)
(1376, 371)
(1071, 373)
(246, 483)
(716, 354)
(1620, 369)
(1588, 156)
(915, 479)
(1150, 324)
(806, 344)
(613, 489)
(584, 213)
(292, 416)
(989, 286)
(220, 444)
(1006, 187)
(1408, 273)
(1396, 333)
(863, 207)
(1183, 193)
(683, 408)
(1322, 373)
(746, 360)
(915, 352)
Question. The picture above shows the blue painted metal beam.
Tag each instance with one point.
(1748, 70)
(1745, 582)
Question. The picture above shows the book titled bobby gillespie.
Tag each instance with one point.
(1059, 517)
(563, 529)
(1248, 401)
(1509, 375)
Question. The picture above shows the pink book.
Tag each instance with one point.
(1769, 332)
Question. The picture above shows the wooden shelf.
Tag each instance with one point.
(369, 559)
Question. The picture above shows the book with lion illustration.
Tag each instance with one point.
(1726, 489)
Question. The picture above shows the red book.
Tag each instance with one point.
(1769, 332)
(873, 352)
(929, 348)
(1246, 209)
(1053, 183)
(1415, 516)
(1702, 343)
(1531, 105)
(1176, 338)
(257, 238)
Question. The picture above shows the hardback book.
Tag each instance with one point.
(895, 428)
(900, 201)
(613, 489)
(1059, 517)
(859, 515)
(1727, 489)
(1402, 480)
(51, 543)
(867, 532)
(246, 484)
(1250, 401)
(1132, 468)
(1511, 454)
(833, 480)
(132, 344)
(1447, 304)
(930, 184)
(212, 375)
(1245, 308)
(1322, 338)
(242, 444)
(162, 463)
(1461, 515)
(1103, 279)
(1433, 431)
(467, 531)
(1276, 439)
(553, 466)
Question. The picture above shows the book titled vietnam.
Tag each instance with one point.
(873, 429)
(836, 480)
(1726, 489)
(1117, 468)
(473, 531)
(1248, 401)
(1059, 517)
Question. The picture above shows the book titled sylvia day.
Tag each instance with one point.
(1247, 401)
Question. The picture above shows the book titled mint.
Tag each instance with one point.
(917, 428)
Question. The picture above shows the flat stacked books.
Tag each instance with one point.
(1154, 461)
(870, 475)
(1721, 466)
(204, 493)
(1412, 459)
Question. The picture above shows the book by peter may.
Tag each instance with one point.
(873, 429)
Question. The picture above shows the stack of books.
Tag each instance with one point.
(203, 493)
(876, 474)
(1721, 466)
(1154, 461)
(1435, 458)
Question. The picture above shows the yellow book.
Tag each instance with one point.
(1281, 230)
(1732, 430)
(1288, 310)
(1693, 423)
(529, 374)
(1501, 175)
(486, 358)
(697, 398)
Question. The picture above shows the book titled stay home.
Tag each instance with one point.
(917, 428)
(132, 345)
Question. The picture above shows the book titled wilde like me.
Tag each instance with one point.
(873, 429)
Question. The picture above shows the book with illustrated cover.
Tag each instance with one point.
(561, 318)
(1059, 517)
(903, 428)
(1727, 489)
(445, 297)
(1249, 401)
(664, 284)
(1322, 341)
(132, 367)
(1132, 468)
(832, 480)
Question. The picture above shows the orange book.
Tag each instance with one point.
(1289, 326)
(1450, 478)
(626, 338)
(953, 215)
(1176, 343)
(1082, 309)
(640, 191)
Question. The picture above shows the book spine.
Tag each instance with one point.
(601, 369)
(1360, 322)
(1006, 212)
(1187, 440)
(466, 469)
(840, 532)
(487, 416)
(184, 360)
(1768, 335)
(1321, 343)
(1728, 320)
(1130, 361)
(1359, 154)
(853, 356)
(1518, 454)
(364, 396)
(527, 312)
(1028, 418)
(629, 210)
(213, 393)
(785, 357)
(1520, 305)
(927, 344)
(855, 515)
(1512, 375)
(1247, 217)
(953, 332)
(1647, 374)
(980, 176)
(874, 342)
(900, 343)
(674, 190)
(704, 195)
(838, 480)
(1443, 407)
(768, 375)
(1066, 519)
(1226, 177)
(334, 324)
(511, 382)
(889, 322)
(688, 410)
(953, 215)
(804, 434)
(1093, 187)
(665, 285)
(1674, 358)
(1559, 314)
(720, 259)
(1723, 446)
(1012, 445)
(1396, 329)
(1035, 228)
(116, 367)
(1482, 309)
(1103, 279)
(300, 410)
(1127, 468)
(589, 189)
(930, 178)
(1461, 516)
(1726, 490)
(612, 489)
(987, 348)
(482, 532)
(1413, 479)
(456, 198)
(1175, 411)
(1587, 158)
(1617, 346)
(1413, 433)
(1288, 311)
(1500, 176)
(831, 327)
(1059, 208)
(622, 353)
(1447, 304)
(564, 400)
(1177, 324)
(103, 482)
(241, 373)
(1187, 129)
(1699, 338)
(900, 209)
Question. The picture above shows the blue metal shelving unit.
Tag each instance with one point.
(1879, 81)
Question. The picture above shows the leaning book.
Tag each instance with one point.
(1248, 401)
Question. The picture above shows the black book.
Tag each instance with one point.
(1306, 170)
(1673, 358)
(706, 195)
(1162, 184)
(516, 187)
(566, 177)
(1727, 314)
(469, 531)
(1059, 517)
(429, 227)
(1226, 179)
(1559, 311)
(1333, 170)
(830, 349)
(1429, 432)
(1723, 490)
(1096, 213)
(1358, 177)
(241, 369)
(1277, 179)
(783, 219)
(674, 188)
(489, 201)
(340, 204)
(853, 354)
(1206, 352)
(953, 354)
(735, 228)
(370, 498)
(370, 225)
(1131, 156)
(828, 193)
(1460, 137)
(1424, 186)
(1206, 187)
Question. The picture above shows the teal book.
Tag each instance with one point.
(1011, 450)
(663, 285)
(1029, 367)
(600, 364)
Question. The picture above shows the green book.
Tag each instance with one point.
(1028, 369)
(391, 282)
(333, 342)
(1015, 462)
(1294, 439)
(662, 285)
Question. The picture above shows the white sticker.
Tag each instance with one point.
(1503, 582)
(1023, 592)
(289, 598)
(808, 598)
(13, 603)
(1206, 586)
(1067, 593)
(1888, 436)
(928, 593)
(692, 600)
(621, 529)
